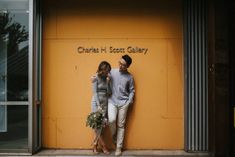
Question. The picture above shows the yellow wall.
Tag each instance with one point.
(156, 118)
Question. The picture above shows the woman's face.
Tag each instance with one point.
(105, 71)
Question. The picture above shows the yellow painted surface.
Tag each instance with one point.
(155, 120)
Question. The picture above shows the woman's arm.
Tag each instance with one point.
(94, 89)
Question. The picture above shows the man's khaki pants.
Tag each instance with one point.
(117, 118)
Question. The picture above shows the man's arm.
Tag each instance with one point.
(93, 78)
(109, 87)
(132, 91)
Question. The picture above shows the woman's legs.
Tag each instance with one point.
(99, 140)
(103, 145)
(95, 143)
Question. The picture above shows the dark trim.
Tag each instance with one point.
(232, 75)
(37, 77)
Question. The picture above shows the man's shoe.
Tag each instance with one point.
(118, 152)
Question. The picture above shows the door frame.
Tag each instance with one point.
(34, 83)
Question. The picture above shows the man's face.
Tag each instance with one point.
(122, 65)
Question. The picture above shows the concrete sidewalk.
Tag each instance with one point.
(128, 153)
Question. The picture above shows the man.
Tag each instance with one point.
(122, 96)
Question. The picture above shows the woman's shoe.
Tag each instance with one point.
(105, 150)
(95, 150)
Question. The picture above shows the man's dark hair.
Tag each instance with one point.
(127, 59)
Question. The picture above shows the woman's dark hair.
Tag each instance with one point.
(103, 65)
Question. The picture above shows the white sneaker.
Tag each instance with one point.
(118, 152)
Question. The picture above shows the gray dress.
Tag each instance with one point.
(101, 91)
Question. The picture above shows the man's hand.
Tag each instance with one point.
(93, 78)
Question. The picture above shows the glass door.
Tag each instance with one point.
(14, 75)
(3, 83)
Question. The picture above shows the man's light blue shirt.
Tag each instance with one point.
(123, 90)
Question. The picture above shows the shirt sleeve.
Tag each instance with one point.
(94, 89)
(132, 91)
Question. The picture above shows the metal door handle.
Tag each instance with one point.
(212, 68)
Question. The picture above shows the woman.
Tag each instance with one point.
(101, 91)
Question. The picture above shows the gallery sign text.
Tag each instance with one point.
(112, 49)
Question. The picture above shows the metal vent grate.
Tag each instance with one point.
(196, 95)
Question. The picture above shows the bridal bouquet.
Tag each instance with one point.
(96, 120)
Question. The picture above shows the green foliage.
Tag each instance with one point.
(17, 33)
(4, 23)
(95, 120)
(13, 32)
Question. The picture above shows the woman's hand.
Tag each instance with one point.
(108, 78)
(99, 108)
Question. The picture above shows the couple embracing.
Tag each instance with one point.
(113, 92)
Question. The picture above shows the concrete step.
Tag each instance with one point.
(126, 153)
